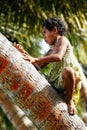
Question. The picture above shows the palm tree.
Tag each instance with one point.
(15, 115)
(32, 93)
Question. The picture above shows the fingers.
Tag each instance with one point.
(14, 43)
(31, 59)
(72, 108)
(26, 58)
(19, 47)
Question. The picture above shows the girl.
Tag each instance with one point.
(64, 73)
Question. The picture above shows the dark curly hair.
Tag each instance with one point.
(51, 22)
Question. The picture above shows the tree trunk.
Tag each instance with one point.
(15, 115)
(32, 92)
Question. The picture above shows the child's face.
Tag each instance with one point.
(49, 36)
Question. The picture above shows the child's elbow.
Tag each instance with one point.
(58, 58)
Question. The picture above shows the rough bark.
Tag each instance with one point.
(16, 116)
(32, 93)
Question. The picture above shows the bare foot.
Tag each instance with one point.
(72, 108)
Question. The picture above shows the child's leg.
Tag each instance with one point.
(69, 79)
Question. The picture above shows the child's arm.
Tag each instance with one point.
(60, 49)
(49, 57)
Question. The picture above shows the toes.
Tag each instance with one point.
(72, 109)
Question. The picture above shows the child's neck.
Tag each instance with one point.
(57, 39)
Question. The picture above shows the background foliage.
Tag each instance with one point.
(21, 20)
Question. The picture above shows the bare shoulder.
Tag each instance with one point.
(65, 41)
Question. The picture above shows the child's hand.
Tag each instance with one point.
(26, 56)
(30, 59)
(19, 47)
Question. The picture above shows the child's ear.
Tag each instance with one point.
(55, 30)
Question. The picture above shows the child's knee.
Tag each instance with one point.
(68, 72)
